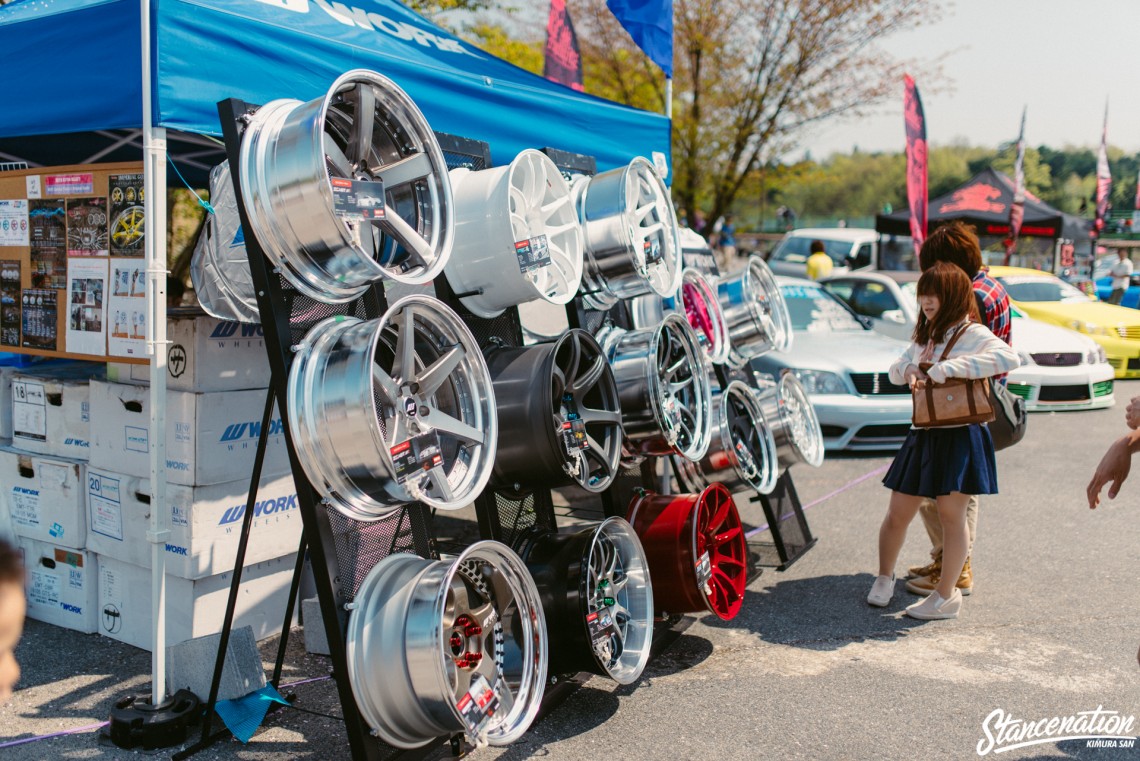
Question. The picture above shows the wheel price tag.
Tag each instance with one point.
(533, 253)
(653, 253)
(357, 199)
(574, 436)
(601, 626)
(704, 571)
(417, 455)
(478, 704)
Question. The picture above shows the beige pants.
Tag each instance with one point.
(929, 512)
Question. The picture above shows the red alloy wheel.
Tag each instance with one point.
(677, 531)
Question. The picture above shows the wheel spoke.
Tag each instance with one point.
(408, 237)
(720, 515)
(445, 423)
(590, 377)
(360, 142)
(434, 376)
(720, 578)
(438, 479)
(410, 169)
(674, 368)
(727, 536)
(335, 158)
(591, 416)
(385, 383)
(404, 369)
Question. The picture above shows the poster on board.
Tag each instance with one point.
(39, 318)
(128, 217)
(47, 227)
(86, 306)
(9, 303)
(14, 222)
(87, 226)
(126, 308)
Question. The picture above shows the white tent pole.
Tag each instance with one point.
(154, 181)
(669, 99)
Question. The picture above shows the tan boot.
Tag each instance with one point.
(924, 585)
(933, 568)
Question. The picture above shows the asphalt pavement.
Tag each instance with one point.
(807, 670)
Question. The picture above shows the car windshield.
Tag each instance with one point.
(910, 289)
(1041, 288)
(797, 250)
(814, 310)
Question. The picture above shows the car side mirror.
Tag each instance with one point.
(894, 315)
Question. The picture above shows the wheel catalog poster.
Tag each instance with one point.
(128, 217)
(87, 306)
(9, 303)
(47, 218)
(87, 227)
(39, 305)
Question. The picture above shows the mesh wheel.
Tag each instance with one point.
(756, 313)
(795, 426)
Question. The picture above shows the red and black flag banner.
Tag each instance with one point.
(1103, 177)
(1017, 208)
(563, 59)
(916, 185)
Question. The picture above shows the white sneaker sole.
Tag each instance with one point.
(917, 590)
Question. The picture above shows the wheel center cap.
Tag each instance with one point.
(411, 407)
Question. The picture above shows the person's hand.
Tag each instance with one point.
(1132, 413)
(1113, 468)
(915, 378)
(937, 373)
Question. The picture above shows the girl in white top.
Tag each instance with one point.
(946, 464)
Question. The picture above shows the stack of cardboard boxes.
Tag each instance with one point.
(87, 524)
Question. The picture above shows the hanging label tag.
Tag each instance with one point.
(601, 626)
(357, 199)
(533, 253)
(574, 436)
(653, 252)
(704, 571)
(417, 455)
(479, 704)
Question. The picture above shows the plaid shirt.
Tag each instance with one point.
(995, 301)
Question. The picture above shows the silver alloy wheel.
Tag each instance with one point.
(742, 451)
(756, 313)
(392, 410)
(795, 426)
(437, 647)
(390, 213)
(630, 231)
(618, 588)
(508, 220)
(664, 388)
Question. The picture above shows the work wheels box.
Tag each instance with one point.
(205, 354)
(193, 608)
(44, 497)
(61, 585)
(210, 438)
(204, 522)
(51, 409)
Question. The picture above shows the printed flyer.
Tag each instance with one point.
(128, 216)
(39, 305)
(87, 227)
(47, 228)
(9, 303)
(86, 305)
(127, 308)
(14, 223)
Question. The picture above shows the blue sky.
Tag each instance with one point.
(1060, 58)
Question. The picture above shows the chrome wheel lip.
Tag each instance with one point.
(795, 424)
(616, 266)
(755, 312)
(482, 209)
(308, 413)
(721, 464)
(621, 533)
(301, 251)
(417, 701)
(717, 348)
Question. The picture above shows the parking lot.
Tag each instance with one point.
(807, 670)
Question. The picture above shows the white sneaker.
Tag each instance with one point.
(935, 607)
(882, 591)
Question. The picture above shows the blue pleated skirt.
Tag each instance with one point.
(937, 461)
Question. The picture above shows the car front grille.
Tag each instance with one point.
(1134, 363)
(876, 384)
(1065, 359)
(1024, 390)
(898, 431)
(1130, 332)
(1063, 394)
(1118, 363)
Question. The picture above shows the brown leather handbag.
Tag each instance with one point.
(958, 401)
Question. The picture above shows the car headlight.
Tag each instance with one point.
(1089, 327)
(821, 382)
(1026, 360)
(1096, 356)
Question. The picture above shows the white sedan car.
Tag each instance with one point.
(1060, 368)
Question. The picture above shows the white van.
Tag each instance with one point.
(851, 248)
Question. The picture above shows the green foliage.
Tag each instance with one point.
(494, 39)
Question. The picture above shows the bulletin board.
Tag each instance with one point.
(73, 262)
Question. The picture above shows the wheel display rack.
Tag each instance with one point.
(343, 551)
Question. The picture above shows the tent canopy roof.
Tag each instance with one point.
(984, 202)
(74, 66)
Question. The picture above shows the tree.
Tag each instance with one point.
(749, 75)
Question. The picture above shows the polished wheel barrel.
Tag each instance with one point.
(559, 413)
(630, 231)
(664, 388)
(595, 589)
(742, 451)
(795, 426)
(435, 648)
(698, 300)
(393, 410)
(348, 189)
(517, 237)
(755, 311)
(697, 550)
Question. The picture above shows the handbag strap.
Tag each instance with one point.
(953, 340)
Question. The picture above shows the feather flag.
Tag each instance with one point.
(650, 24)
(1017, 208)
(563, 57)
(1103, 177)
(916, 184)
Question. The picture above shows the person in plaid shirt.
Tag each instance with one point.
(956, 243)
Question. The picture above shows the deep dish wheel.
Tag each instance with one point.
(795, 426)
(697, 299)
(755, 312)
(428, 641)
(696, 548)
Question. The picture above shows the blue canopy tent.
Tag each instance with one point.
(75, 68)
